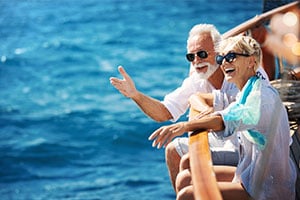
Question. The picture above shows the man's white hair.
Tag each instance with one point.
(205, 28)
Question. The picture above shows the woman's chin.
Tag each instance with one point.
(229, 78)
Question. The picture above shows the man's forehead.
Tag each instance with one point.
(202, 40)
(202, 37)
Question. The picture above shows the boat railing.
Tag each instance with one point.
(203, 176)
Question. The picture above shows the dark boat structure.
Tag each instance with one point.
(283, 41)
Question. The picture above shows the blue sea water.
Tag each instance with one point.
(65, 132)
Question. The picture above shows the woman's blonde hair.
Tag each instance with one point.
(243, 44)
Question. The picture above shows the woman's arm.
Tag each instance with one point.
(214, 122)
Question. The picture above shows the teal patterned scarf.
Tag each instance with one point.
(247, 111)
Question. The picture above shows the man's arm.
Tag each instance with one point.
(150, 106)
(165, 134)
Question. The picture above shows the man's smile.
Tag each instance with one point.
(201, 69)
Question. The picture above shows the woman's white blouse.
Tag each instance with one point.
(266, 171)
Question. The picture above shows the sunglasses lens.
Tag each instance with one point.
(190, 57)
(219, 59)
(230, 57)
(202, 54)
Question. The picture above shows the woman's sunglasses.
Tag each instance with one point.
(229, 57)
(201, 54)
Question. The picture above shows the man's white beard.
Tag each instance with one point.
(210, 70)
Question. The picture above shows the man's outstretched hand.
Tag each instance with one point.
(126, 85)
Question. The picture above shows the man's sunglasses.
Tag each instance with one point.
(229, 57)
(201, 54)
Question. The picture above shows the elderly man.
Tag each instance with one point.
(205, 77)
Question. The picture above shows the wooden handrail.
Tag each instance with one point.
(203, 176)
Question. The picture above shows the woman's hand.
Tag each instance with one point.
(199, 103)
(203, 113)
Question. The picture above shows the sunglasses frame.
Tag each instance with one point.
(201, 54)
(229, 57)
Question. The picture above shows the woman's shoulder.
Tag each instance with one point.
(268, 93)
(268, 88)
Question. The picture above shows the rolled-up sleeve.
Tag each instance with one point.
(230, 126)
(177, 102)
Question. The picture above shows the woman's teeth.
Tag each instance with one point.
(229, 70)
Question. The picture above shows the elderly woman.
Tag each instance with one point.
(265, 170)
